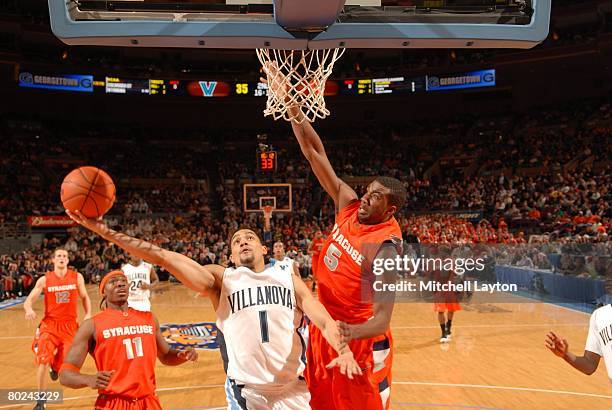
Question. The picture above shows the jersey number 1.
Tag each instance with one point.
(263, 326)
(129, 351)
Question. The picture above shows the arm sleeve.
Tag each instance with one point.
(593, 344)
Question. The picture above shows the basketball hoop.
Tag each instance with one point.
(267, 211)
(296, 82)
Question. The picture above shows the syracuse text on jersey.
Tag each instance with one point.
(127, 331)
(346, 245)
(61, 288)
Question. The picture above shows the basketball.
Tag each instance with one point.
(88, 190)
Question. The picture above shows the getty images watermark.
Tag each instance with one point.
(445, 274)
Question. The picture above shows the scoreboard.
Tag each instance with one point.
(397, 85)
(253, 89)
(390, 85)
(355, 86)
(116, 85)
(266, 161)
(215, 89)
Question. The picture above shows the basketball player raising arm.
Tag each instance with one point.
(365, 230)
(375, 207)
(238, 290)
(207, 279)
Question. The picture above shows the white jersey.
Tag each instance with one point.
(137, 275)
(286, 259)
(599, 339)
(259, 321)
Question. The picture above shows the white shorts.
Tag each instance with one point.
(294, 396)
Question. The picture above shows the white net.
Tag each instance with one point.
(296, 82)
(267, 211)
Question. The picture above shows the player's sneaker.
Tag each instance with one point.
(444, 338)
(447, 331)
(54, 375)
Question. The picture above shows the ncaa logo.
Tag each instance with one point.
(201, 335)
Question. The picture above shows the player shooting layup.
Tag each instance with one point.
(264, 371)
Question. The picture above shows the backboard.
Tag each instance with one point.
(301, 25)
(255, 197)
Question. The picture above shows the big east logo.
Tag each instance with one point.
(197, 335)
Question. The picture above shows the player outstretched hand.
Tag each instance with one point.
(189, 354)
(101, 380)
(556, 345)
(30, 315)
(276, 80)
(347, 364)
(96, 225)
(346, 333)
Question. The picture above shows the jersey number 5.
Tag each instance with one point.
(331, 257)
(129, 351)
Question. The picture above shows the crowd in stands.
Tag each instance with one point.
(531, 176)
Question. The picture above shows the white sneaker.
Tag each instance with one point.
(443, 339)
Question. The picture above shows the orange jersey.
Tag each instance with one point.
(346, 257)
(126, 343)
(317, 246)
(61, 296)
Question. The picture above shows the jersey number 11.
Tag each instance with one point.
(129, 351)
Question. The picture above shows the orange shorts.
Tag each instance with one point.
(447, 307)
(329, 389)
(107, 402)
(52, 342)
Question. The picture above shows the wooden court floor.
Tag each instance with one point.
(496, 360)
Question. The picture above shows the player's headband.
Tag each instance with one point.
(108, 277)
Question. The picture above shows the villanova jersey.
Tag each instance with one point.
(137, 275)
(286, 259)
(259, 319)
